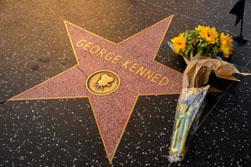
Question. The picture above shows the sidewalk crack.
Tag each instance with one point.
(82, 71)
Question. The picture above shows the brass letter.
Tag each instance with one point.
(149, 74)
(164, 81)
(174, 84)
(116, 59)
(103, 51)
(141, 70)
(126, 63)
(80, 43)
(96, 51)
(87, 45)
(156, 76)
(107, 57)
(134, 66)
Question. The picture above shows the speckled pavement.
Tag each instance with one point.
(48, 50)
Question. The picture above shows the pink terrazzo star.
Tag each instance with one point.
(112, 111)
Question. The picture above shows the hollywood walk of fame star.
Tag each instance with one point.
(132, 60)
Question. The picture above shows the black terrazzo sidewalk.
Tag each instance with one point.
(34, 46)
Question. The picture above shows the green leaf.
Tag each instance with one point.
(191, 54)
(200, 50)
(186, 52)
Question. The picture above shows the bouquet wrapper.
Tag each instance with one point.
(186, 120)
(195, 76)
(200, 67)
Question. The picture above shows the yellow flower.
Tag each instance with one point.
(226, 45)
(179, 43)
(209, 34)
(199, 28)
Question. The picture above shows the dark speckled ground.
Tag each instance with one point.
(34, 46)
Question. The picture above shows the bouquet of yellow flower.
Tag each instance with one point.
(205, 41)
(200, 48)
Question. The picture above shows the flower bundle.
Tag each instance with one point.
(205, 41)
(203, 49)
(187, 112)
